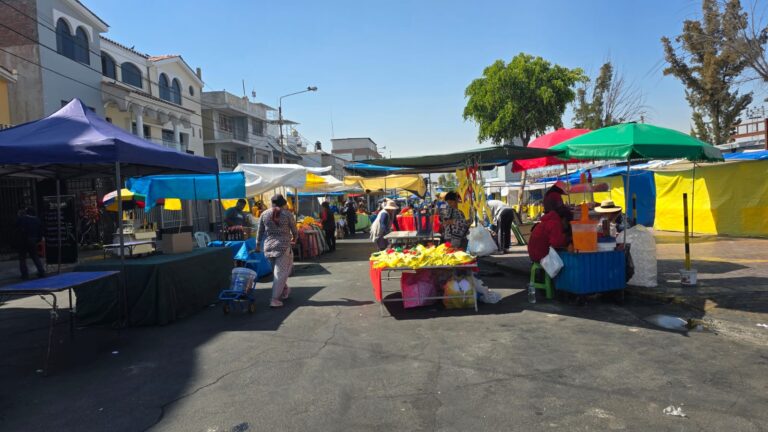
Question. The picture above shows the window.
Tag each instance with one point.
(225, 123)
(257, 126)
(168, 137)
(131, 74)
(65, 44)
(82, 53)
(228, 159)
(165, 90)
(108, 66)
(191, 91)
(176, 91)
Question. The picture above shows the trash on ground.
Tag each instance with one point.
(762, 325)
(668, 322)
(674, 411)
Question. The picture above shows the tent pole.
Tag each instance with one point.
(626, 195)
(693, 195)
(121, 241)
(218, 206)
(194, 209)
(567, 183)
(58, 224)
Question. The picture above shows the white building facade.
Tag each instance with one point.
(155, 97)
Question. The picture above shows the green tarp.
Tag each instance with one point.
(160, 288)
(630, 141)
(485, 157)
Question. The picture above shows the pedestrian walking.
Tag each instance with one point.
(29, 232)
(329, 225)
(350, 213)
(277, 230)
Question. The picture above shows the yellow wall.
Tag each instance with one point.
(730, 199)
(5, 109)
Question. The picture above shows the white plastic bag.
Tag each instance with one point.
(552, 263)
(485, 294)
(480, 242)
(643, 251)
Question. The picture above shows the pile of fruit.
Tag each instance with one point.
(307, 223)
(421, 256)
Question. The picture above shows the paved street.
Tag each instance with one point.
(329, 361)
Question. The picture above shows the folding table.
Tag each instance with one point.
(51, 285)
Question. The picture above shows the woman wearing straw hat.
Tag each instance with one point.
(611, 214)
(277, 228)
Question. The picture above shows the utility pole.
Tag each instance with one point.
(280, 118)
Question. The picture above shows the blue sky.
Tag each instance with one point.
(396, 70)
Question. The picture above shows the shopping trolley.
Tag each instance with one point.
(241, 291)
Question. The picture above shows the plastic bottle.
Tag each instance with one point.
(531, 293)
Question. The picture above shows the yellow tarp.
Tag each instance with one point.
(729, 199)
(314, 179)
(410, 182)
(172, 204)
(615, 192)
(227, 203)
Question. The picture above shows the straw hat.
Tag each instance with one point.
(390, 205)
(607, 206)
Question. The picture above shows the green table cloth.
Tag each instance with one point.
(160, 288)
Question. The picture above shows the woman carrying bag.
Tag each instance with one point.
(277, 229)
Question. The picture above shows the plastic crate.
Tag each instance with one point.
(592, 272)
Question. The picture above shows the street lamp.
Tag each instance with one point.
(280, 118)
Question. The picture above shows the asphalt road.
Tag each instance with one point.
(329, 361)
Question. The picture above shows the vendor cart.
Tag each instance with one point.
(589, 273)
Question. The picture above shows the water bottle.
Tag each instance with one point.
(531, 293)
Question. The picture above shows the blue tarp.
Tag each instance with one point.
(188, 186)
(758, 155)
(255, 261)
(368, 170)
(75, 137)
(643, 186)
(317, 194)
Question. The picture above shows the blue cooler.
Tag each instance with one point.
(592, 272)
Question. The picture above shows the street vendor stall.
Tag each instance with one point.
(74, 143)
(434, 273)
(442, 272)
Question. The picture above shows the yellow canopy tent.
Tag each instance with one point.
(410, 182)
(731, 198)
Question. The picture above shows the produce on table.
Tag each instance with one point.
(421, 256)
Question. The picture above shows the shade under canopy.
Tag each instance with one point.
(485, 157)
(76, 142)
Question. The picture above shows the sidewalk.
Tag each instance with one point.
(732, 278)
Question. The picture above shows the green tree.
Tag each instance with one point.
(607, 101)
(519, 99)
(447, 181)
(709, 66)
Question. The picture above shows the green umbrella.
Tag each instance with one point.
(630, 141)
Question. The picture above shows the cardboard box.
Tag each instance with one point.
(176, 243)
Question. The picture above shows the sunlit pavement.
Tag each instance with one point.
(330, 361)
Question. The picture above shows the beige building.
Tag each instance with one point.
(355, 149)
(156, 97)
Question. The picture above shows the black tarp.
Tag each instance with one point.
(160, 288)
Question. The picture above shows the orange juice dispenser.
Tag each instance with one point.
(584, 232)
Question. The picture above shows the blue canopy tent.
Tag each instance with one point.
(188, 186)
(74, 142)
(368, 170)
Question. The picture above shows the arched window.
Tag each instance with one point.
(82, 54)
(131, 74)
(65, 44)
(108, 67)
(176, 91)
(165, 89)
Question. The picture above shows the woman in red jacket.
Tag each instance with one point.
(549, 232)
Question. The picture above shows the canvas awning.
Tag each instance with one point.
(262, 178)
(410, 182)
(188, 186)
(76, 142)
(486, 158)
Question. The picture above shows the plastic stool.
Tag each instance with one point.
(546, 285)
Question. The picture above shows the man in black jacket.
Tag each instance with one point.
(350, 213)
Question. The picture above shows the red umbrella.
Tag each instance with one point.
(546, 141)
